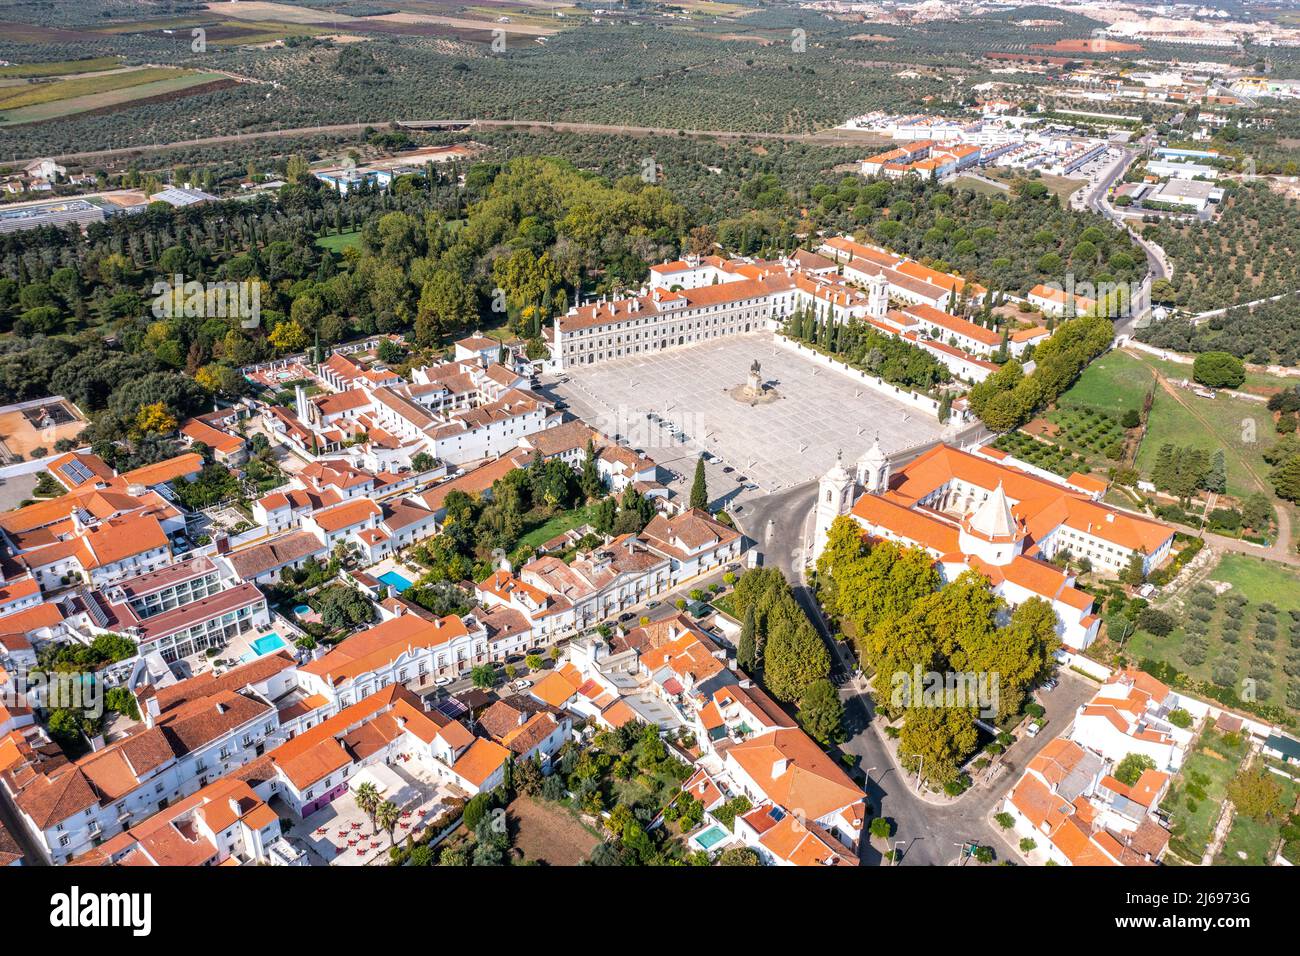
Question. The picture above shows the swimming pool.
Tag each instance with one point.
(302, 610)
(395, 581)
(708, 839)
(265, 644)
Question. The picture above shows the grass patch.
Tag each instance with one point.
(60, 67)
(1113, 383)
(1197, 794)
(34, 94)
(1240, 428)
(557, 524)
(1247, 633)
(1260, 581)
(341, 241)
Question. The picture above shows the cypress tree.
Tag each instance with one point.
(699, 487)
(747, 649)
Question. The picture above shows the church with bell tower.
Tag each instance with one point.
(838, 489)
(977, 511)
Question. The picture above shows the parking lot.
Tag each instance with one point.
(769, 446)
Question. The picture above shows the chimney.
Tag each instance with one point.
(779, 767)
(151, 708)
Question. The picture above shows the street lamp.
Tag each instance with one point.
(919, 768)
(897, 853)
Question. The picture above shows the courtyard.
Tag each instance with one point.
(341, 834)
(778, 443)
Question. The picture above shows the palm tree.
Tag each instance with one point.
(367, 798)
(386, 817)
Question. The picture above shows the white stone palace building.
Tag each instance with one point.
(970, 511)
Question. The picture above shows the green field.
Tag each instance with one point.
(60, 67)
(1242, 429)
(34, 94)
(182, 80)
(556, 525)
(1260, 581)
(1113, 383)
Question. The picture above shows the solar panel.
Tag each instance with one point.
(450, 707)
(76, 472)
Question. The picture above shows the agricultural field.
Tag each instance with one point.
(34, 103)
(1041, 454)
(34, 94)
(1242, 429)
(1096, 434)
(1249, 632)
(60, 67)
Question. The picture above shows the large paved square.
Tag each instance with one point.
(775, 445)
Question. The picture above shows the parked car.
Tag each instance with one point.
(728, 470)
(521, 684)
(1033, 729)
(651, 605)
(1049, 684)
(626, 616)
(443, 681)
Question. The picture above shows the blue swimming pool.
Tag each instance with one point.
(302, 610)
(265, 644)
(708, 839)
(395, 581)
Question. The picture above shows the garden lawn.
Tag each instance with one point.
(1258, 580)
(1207, 770)
(339, 242)
(558, 524)
(1252, 842)
(1114, 383)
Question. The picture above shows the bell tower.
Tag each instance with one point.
(877, 296)
(834, 498)
(873, 469)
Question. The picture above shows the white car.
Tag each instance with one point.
(1033, 730)
(521, 684)
(443, 681)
